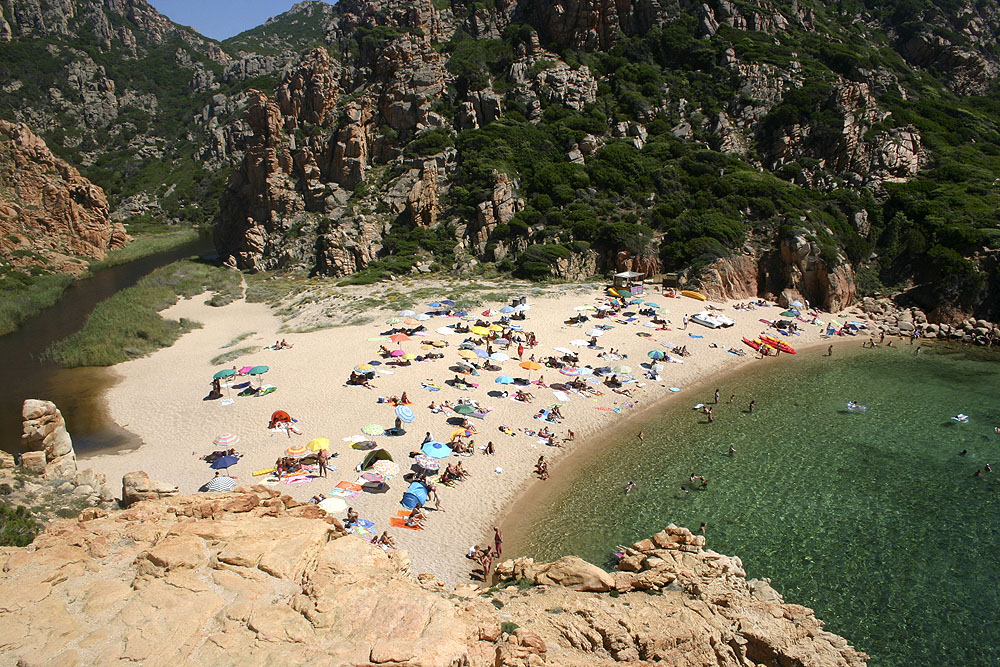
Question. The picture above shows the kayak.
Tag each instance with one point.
(694, 295)
(756, 343)
(780, 344)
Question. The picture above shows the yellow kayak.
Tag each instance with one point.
(694, 295)
(258, 473)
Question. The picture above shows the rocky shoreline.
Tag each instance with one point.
(900, 321)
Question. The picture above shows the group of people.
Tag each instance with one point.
(484, 555)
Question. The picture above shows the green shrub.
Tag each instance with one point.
(17, 527)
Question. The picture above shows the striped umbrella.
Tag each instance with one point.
(318, 444)
(405, 414)
(297, 451)
(221, 483)
(364, 368)
(387, 469)
(656, 354)
(226, 440)
(570, 371)
(373, 429)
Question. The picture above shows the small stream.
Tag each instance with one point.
(75, 391)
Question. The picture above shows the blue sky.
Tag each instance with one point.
(220, 19)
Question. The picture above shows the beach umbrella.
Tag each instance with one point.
(318, 444)
(399, 338)
(364, 368)
(331, 505)
(297, 451)
(405, 414)
(504, 379)
(570, 371)
(480, 331)
(467, 345)
(563, 350)
(436, 450)
(258, 370)
(225, 462)
(221, 484)
(397, 353)
(373, 477)
(595, 332)
(355, 438)
(467, 354)
(387, 469)
(499, 356)
(446, 331)
(622, 370)
(651, 325)
(635, 301)
(495, 327)
(406, 313)
(585, 371)
(245, 370)
(657, 368)
(439, 343)
(465, 364)
(422, 317)
(447, 302)
(435, 304)
(373, 429)
(226, 373)
(603, 306)
(652, 305)
(226, 440)
(464, 409)
(522, 308)
(410, 322)
(410, 356)
(280, 416)
(656, 354)
(426, 462)
(579, 343)
(501, 341)
(530, 365)
(482, 354)
(796, 304)
(393, 321)
(506, 309)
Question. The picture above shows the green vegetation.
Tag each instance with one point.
(232, 355)
(27, 293)
(129, 324)
(17, 527)
(149, 239)
(239, 339)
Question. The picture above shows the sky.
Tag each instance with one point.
(220, 19)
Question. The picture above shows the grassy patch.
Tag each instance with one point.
(22, 296)
(239, 339)
(232, 355)
(129, 324)
(145, 244)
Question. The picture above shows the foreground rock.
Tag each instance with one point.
(50, 215)
(254, 577)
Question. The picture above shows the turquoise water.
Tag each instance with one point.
(872, 519)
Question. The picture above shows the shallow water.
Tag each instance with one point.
(872, 519)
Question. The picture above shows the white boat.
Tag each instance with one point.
(712, 320)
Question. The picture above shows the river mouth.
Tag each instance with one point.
(872, 518)
(77, 392)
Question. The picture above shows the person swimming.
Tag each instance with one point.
(629, 487)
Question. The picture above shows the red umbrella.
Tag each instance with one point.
(399, 338)
(280, 416)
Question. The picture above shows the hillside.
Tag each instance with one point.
(826, 148)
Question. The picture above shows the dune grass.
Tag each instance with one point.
(23, 295)
(232, 355)
(239, 339)
(129, 324)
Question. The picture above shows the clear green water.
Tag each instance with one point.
(872, 519)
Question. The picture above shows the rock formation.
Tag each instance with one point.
(138, 486)
(49, 214)
(50, 449)
(253, 575)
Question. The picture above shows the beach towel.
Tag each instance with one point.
(431, 387)
(695, 336)
(480, 414)
(561, 395)
(396, 522)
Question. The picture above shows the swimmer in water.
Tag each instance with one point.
(683, 490)
(629, 487)
(988, 468)
(732, 450)
(979, 473)
(963, 452)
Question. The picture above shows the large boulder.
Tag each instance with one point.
(44, 430)
(138, 486)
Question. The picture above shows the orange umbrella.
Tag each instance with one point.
(399, 338)
(297, 451)
(530, 365)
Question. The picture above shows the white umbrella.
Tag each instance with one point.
(579, 343)
(521, 308)
(221, 483)
(499, 356)
(595, 332)
(651, 325)
(563, 350)
(331, 505)
(406, 313)
(603, 306)
(422, 317)
(446, 331)
(585, 371)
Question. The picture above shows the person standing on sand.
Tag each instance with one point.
(322, 458)
(520, 351)
(498, 539)
(685, 321)
(753, 404)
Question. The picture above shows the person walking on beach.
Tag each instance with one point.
(753, 404)
(685, 321)
(322, 458)
(520, 351)
(498, 539)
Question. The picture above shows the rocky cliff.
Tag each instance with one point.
(253, 576)
(49, 215)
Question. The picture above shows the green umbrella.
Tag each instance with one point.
(227, 373)
(464, 409)
(259, 370)
(373, 429)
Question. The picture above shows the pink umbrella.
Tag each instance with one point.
(244, 370)
(397, 353)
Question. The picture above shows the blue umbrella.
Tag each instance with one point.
(225, 462)
(415, 495)
(436, 304)
(656, 354)
(482, 354)
(796, 304)
(506, 309)
(460, 313)
(448, 302)
(505, 379)
(436, 450)
(405, 414)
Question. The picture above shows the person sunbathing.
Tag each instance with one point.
(523, 396)
(554, 413)
(384, 351)
(384, 540)
(461, 471)
(352, 517)
(416, 517)
(284, 345)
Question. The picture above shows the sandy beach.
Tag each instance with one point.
(160, 399)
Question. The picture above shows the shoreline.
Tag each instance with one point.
(176, 421)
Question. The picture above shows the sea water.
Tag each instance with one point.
(872, 518)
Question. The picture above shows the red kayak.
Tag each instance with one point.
(780, 344)
(756, 343)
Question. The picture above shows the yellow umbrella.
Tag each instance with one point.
(530, 365)
(480, 331)
(317, 444)
(409, 356)
(411, 322)
(467, 354)
(496, 327)
(438, 343)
